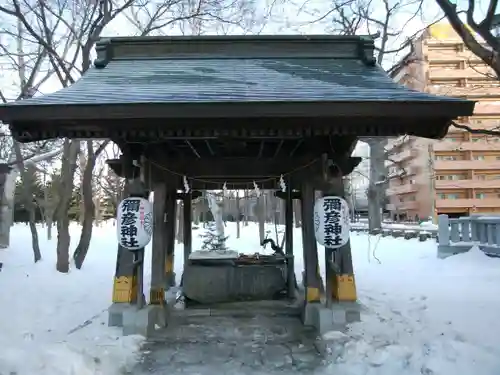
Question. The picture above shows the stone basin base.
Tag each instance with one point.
(209, 281)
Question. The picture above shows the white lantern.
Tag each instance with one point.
(134, 223)
(331, 222)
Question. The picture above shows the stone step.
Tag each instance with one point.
(244, 309)
(199, 329)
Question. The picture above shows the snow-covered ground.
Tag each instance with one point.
(421, 315)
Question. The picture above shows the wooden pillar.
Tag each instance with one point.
(159, 247)
(340, 282)
(188, 232)
(310, 249)
(290, 279)
(170, 220)
(126, 280)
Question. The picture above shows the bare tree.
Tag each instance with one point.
(88, 203)
(29, 67)
(50, 201)
(478, 36)
(80, 24)
(110, 184)
(385, 21)
(70, 155)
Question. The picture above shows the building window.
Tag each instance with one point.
(480, 195)
(442, 196)
(451, 177)
(445, 157)
(452, 196)
(498, 158)
(480, 177)
(478, 157)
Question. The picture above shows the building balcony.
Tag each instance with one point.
(488, 108)
(412, 171)
(405, 155)
(478, 72)
(402, 206)
(468, 203)
(402, 189)
(467, 184)
(466, 146)
(468, 92)
(456, 165)
(403, 172)
(447, 55)
(394, 145)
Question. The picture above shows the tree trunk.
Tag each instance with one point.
(281, 204)
(196, 211)
(7, 207)
(238, 214)
(49, 223)
(348, 192)
(83, 208)
(68, 167)
(261, 218)
(376, 184)
(97, 212)
(297, 216)
(27, 195)
(88, 209)
(180, 223)
(246, 208)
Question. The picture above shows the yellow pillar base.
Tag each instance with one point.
(125, 289)
(169, 264)
(344, 288)
(169, 271)
(157, 296)
(313, 294)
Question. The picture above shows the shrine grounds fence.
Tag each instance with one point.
(407, 232)
(459, 235)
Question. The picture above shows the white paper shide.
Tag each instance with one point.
(134, 223)
(331, 221)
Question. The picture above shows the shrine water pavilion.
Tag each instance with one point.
(233, 109)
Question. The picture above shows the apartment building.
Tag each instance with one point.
(460, 174)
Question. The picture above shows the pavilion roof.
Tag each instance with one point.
(229, 77)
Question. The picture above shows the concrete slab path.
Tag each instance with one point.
(219, 345)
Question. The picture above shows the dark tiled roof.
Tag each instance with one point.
(164, 80)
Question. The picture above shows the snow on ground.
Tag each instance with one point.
(40, 309)
(421, 315)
